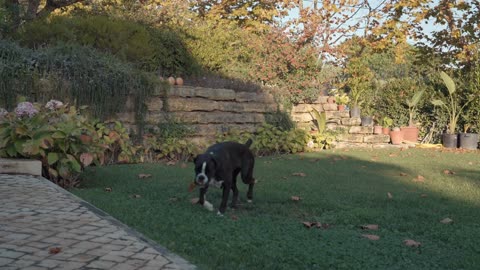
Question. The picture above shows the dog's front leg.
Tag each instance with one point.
(227, 185)
(202, 200)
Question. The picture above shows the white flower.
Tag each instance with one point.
(53, 104)
(310, 144)
(25, 108)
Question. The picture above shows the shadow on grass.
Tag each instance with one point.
(344, 189)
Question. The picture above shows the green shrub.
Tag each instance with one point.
(150, 49)
(270, 140)
(77, 74)
(62, 138)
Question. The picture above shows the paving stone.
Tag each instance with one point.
(101, 264)
(31, 223)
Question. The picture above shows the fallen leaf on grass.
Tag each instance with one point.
(389, 195)
(301, 174)
(307, 224)
(55, 250)
(423, 195)
(144, 175)
(448, 172)
(446, 220)
(295, 198)
(233, 217)
(372, 237)
(183, 165)
(470, 163)
(419, 178)
(191, 187)
(412, 243)
(403, 174)
(173, 199)
(135, 196)
(194, 200)
(108, 189)
(370, 227)
(284, 177)
(392, 155)
(171, 163)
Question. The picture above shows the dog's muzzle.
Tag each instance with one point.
(201, 179)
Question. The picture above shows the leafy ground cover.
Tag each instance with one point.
(309, 210)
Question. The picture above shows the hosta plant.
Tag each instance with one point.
(51, 134)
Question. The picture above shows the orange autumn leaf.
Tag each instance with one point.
(372, 237)
(448, 172)
(191, 187)
(411, 243)
(55, 250)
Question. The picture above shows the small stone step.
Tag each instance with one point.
(20, 166)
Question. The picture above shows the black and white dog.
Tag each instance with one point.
(219, 167)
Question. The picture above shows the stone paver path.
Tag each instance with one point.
(44, 227)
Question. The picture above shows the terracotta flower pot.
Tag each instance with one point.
(410, 133)
(385, 130)
(341, 107)
(179, 81)
(377, 130)
(171, 80)
(396, 137)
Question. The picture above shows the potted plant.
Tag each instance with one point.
(396, 136)
(367, 117)
(452, 104)
(410, 133)
(468, 140)
(342, 100)
(359, 83)
(387, 122)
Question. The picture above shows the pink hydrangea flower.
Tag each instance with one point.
(25, 108)
(53, 104)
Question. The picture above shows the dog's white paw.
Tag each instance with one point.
(208, 206)
(249, 201)
(219, 214)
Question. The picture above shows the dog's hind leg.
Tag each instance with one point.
(247, 176)
(227, 185)
(235, 191)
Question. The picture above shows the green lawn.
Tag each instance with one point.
(345, 189)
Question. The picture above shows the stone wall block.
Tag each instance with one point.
(154, 104)
(246, 97)
(380, 138)
(361, 130)
(321, 100)
(330, 107)
(302, 117)
(302, 108)
(355, 138)
(215, 94)
(191, 104)
(356, 121)
(181, 91)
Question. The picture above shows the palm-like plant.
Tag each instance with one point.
(452, 103)
(412, 106)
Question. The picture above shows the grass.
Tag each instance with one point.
(344, 188)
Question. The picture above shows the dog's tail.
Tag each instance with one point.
(249, 142)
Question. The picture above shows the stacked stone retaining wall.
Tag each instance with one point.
(211, 111)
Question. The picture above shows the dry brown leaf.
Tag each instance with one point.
(86, 159)
(108, 189)
(370, 227)
(173, 199)
(191, 187)
(308, 224)
(419, 178)
(403, 174)
(423, 195)
(446, 220)
(144, 175)
(171, 163)
(470, 163)
(392, 155)
(448, 172)
(301, 174)
(233, 217)
(183, 165)
(389, 195)
(284, 177)
(323, 225)
(412, 243)
(372, 237)
(135, 196)
(55, 250)
(194, 200)
(295, 198)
